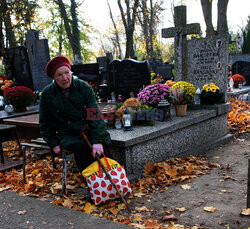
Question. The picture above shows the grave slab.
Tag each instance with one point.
(193, 134)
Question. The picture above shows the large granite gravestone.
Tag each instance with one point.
(88, 72)
(207, 61)
(38, 53)
(17, 66)
(243, 68)
(128, 76)
(179, 32)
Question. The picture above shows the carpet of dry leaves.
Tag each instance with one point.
(44, 182)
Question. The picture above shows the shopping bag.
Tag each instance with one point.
(101, 189)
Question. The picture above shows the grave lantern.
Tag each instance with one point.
(164, 105)
(127, 120)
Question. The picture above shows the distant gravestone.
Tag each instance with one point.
(179, 33)
(17, 66)
(128, 76)
(87, 72)
(243, 68)
(38, 53)
(166, 71)
(208, 61)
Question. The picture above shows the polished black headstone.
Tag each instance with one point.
(166, 71)
(128, 76)
(88, 72)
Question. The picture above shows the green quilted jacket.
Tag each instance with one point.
(62, 119)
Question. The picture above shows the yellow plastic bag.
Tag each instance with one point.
(93, 169)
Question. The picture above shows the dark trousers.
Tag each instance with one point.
(82, 154)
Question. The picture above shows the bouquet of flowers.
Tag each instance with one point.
(156, 78)
(211, 94)
(19, 96)
(182, 92)
(153, 94)
(238, 78)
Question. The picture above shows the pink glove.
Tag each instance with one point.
(57, 149)
(97, 149)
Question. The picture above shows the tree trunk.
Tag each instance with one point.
(75, 29)
(222, 17)
(1, 36)
(207, 13)
(151, 31)
(66, 25)
(116, 32)
(145, 26)
(129, 25)
(10, 36)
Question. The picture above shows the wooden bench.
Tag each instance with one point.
(39, 143)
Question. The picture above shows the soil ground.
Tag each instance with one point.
(224, 188)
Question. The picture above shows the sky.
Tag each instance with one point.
(97, 13)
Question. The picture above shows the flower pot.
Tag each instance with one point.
(181, 110)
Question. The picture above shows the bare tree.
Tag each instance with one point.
(129, 20)
(149, 19)
(116, 32)
(221, 20)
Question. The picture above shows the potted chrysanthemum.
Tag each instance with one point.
(153, 94)
(19, 96)
(211, 94)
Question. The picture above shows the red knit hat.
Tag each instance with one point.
(56, 63)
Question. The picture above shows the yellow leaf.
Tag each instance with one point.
(245, 211)
(182, 209)
(89, 208)
(210, 209)
(186, 186)
(35, 172)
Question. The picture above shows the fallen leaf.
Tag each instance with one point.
(139, 194)
(216, 157)
(169, 217)
(226, 191)
(137, 225)
(186, 186)
(89, 208)
(68, 203)
(142, 209)
(114, 211)
(210, 209)
(245, 211)
(151, 224)
(21, 212)
(182, 209)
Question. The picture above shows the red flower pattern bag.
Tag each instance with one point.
(101, 189)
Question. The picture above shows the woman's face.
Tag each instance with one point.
(63, 77)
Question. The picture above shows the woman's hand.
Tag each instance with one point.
(97, 149)
(57, 149)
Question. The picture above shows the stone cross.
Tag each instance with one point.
(179, 33)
